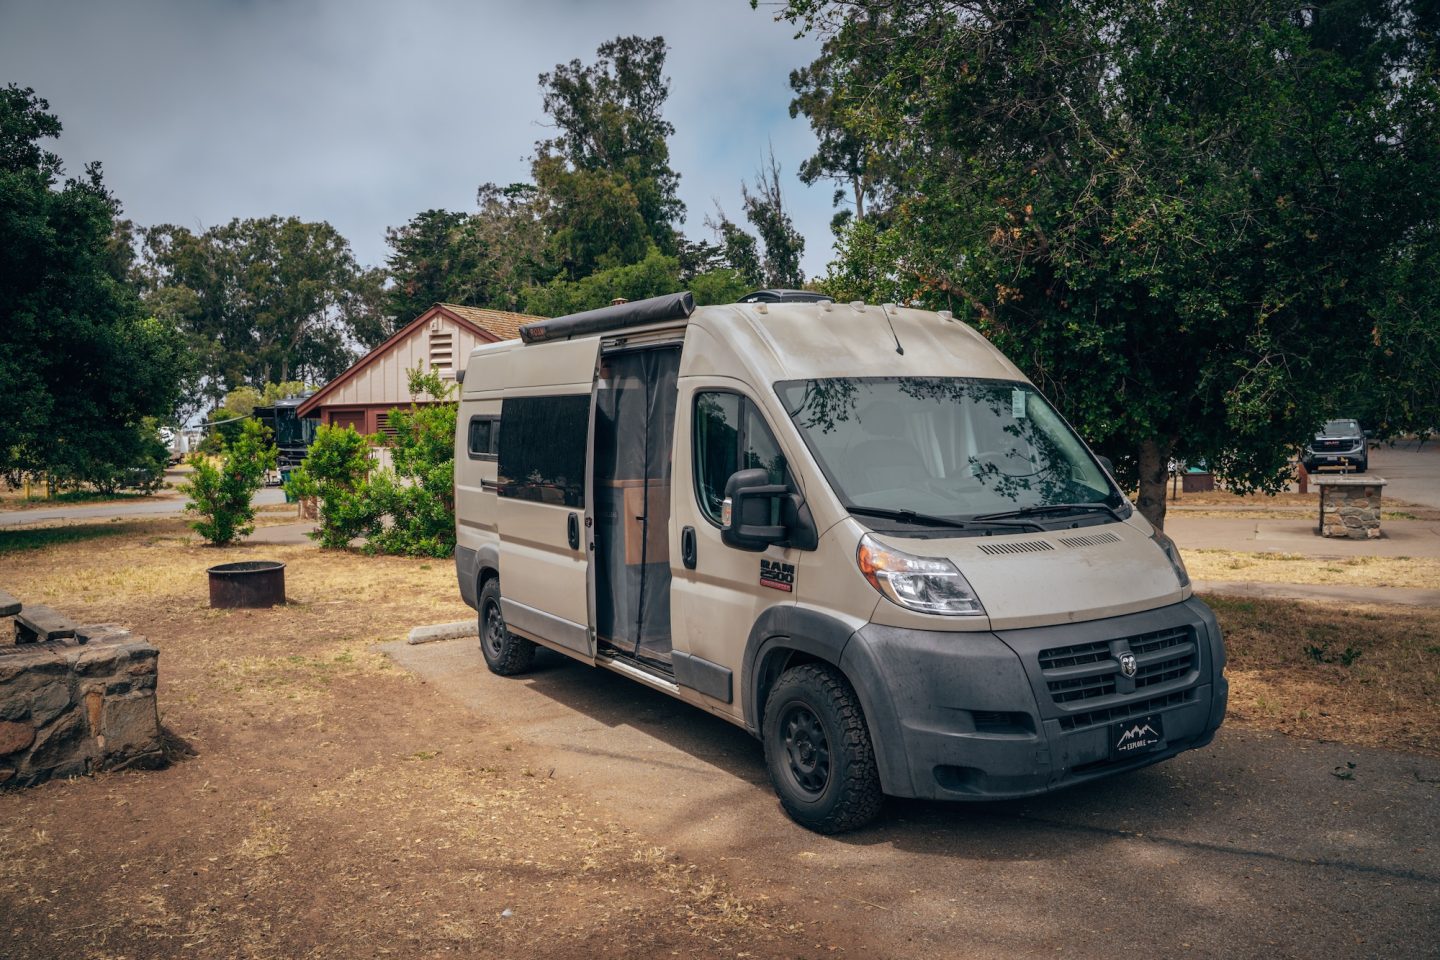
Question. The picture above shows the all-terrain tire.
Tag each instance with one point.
(818, 750)
(505, 653)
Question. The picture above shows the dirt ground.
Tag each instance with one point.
(324, 803)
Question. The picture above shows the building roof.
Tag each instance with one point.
(487, 325)
(504, 324)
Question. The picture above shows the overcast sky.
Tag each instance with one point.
(364, 113)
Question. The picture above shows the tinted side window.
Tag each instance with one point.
(730, 434)
(484, 437)
(542, 449)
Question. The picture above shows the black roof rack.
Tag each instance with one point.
(786, 296)
(671, 306)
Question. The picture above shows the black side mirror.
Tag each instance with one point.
(748, 509)
(1105, 462)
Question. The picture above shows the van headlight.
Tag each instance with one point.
(1173, 553)
(926, 584)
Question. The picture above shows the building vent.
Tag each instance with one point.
(382, 423)
(1017, 546)
(442, 352)
(1093, 540)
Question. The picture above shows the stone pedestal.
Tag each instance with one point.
(69, 708)
(1349, 506)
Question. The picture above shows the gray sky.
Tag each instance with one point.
(364, 113)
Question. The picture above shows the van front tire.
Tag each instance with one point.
(818, 750)
(505, 653)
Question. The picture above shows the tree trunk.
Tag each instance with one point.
(1154, 463)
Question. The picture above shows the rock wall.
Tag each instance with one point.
(1351, 510)
(69, 708)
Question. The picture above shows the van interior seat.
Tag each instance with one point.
(887, 459)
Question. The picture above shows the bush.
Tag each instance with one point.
(335, 471)
(221, 495)
(407, 510)
(418, 497)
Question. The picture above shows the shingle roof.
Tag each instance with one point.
(502, 323)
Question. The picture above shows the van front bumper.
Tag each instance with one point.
(984, 716)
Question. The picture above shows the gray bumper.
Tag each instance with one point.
(1015, 713)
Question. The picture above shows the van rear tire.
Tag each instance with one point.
(505, 654)
(818, 750)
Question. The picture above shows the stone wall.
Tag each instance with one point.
(69, 708)
(1350, 507)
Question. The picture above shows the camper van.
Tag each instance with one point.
(857, 531)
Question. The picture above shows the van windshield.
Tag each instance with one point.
(947, 447)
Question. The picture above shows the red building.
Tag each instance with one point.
(440, 338)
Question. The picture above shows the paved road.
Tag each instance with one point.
(1249, 848)
(1412, 469)
(167, 506)
(1402, 538)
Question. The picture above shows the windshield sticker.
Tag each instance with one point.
(1017, 404)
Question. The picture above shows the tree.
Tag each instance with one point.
(1187, 221)
(488, 258)
(81, 366)
(860, 165)
(772, 259)
(606, 187)
(264, 300)
(651, 277)
(765, 209)
(221, 496)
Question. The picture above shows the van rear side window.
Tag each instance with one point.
(542, 449)
(484, 438)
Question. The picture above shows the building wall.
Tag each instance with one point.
(440, 342)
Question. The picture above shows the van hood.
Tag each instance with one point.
(1055, 577)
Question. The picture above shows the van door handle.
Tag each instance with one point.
(687, 547)
(572, 526)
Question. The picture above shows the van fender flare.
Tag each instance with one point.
(782, 629)
(470, 567)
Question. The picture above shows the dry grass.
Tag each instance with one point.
(1366, 675)
(1416, 572)
(335, 806)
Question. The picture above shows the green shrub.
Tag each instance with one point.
(221, 495)
(335, 471)
(407, 510)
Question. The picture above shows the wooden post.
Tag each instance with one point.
(1302, 477)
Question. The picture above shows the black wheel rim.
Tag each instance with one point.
(807, 751)
(493, 629)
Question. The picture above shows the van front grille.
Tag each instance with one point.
(1125, 711)
(1074, 656)
(1091, 671)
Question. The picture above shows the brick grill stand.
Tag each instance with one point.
(69, 709)
(1349, 506)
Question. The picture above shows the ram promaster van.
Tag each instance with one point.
(857, 531)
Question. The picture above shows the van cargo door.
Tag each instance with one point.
(544, 493)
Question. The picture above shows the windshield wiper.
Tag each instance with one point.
(1092, 507)
(929, 520)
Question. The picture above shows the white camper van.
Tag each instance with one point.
(857, 531)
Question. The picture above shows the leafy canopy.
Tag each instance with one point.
(1200, 227)
(81, 366)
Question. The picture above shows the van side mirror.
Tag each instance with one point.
(1105, 462)
(748, 508)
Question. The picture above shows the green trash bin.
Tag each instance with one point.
(285, 485)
